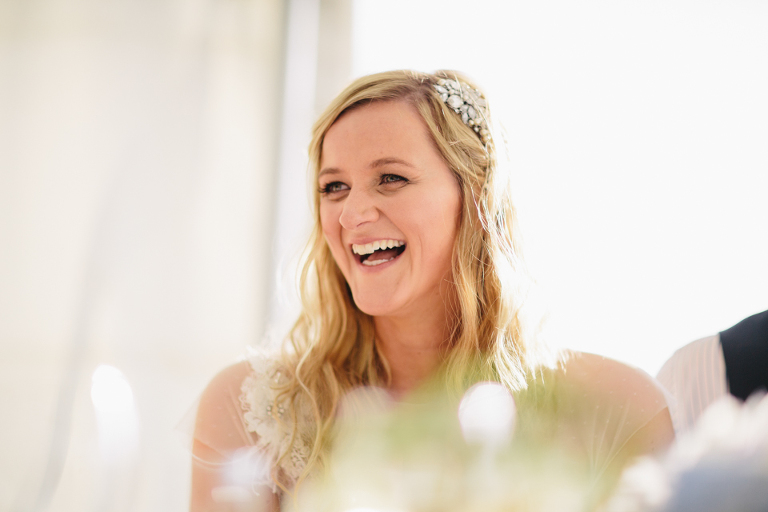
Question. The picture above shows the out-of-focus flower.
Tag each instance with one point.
(487, 414)
(722, 464)
(415, 456)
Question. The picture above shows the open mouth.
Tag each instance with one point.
(376, 253)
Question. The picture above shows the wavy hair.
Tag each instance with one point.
(331, 347)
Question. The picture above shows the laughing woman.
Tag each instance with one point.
(412, 271)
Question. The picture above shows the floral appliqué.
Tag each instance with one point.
(260, 412)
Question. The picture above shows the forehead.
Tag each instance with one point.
(386, 129)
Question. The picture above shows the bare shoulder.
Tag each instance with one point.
(227, 380)
(607, 376)
(228, 385)
(618, 386)
(218, 423)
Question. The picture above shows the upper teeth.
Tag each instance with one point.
(375, 246)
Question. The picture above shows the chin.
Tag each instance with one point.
(372, 309)
(374, 306)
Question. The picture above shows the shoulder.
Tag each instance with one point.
(694, 358)
(218, 424)
(607, 376)
(695, 377)
(257, 367)
(226, 383)
(620, 395)
(229, 404)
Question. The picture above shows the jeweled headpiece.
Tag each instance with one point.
(468, 103)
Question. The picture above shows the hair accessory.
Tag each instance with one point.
(468, 103)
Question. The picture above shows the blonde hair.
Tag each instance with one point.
(331, 347)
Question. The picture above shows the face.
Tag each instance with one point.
(389, 209)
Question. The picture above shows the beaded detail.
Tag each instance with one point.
(468, 103)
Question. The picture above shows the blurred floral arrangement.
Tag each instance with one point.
(721, 465)
(435, 456)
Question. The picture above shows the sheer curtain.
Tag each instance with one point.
(139, 202)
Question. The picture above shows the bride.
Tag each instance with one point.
(413, 270)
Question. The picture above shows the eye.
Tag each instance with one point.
(388, 179)
(332, 187)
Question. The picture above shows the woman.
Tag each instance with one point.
(412, 267)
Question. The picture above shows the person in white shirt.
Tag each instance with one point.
(732, 362)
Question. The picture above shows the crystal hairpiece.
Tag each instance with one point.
(468, 103)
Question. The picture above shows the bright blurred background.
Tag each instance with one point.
(153, 195)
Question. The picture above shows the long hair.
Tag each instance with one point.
(331, 347)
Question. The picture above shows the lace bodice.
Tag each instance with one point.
(270, 419)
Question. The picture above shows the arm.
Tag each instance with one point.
(223, 458)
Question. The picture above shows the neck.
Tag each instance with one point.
(413, 347)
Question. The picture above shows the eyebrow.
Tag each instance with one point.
(328, 170)
(381, 162)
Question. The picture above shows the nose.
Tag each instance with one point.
(359, 208)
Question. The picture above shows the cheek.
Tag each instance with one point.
(329, 222)
(444, 215)
(328, 219)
